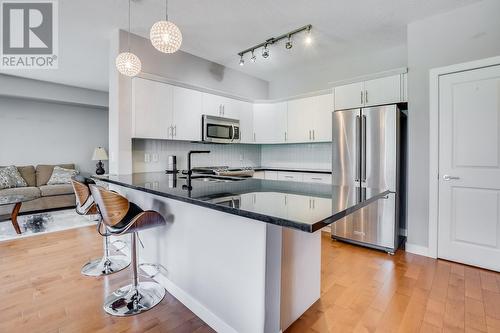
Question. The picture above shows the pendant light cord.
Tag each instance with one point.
(128, 35)
(166, 10)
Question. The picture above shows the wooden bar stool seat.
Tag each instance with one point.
(85, 205)
(123, 217)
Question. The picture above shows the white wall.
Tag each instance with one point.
(34, 132)
(312, 77)
(13, 86)
(465, 34)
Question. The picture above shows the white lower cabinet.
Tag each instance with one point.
(317, 178)
(305, 177)
(271, 175)
(290, 176)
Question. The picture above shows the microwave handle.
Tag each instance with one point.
(232, 133)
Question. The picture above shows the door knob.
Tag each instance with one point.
(448, 177)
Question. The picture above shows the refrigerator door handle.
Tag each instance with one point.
(358, 149)
(363, 149)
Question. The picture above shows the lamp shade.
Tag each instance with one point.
(100, 154)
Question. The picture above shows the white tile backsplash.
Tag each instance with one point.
(300, 156)
(233, 155)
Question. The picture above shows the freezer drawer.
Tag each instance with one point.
(373, 225)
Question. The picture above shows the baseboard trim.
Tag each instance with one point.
(417, 249)
(198, 309)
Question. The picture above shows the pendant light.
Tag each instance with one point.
(165, 36)
(128, 63)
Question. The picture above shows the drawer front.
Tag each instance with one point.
(272, 175)
(290, 176)
(317, 178)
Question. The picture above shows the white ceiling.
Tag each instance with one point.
(218, 29)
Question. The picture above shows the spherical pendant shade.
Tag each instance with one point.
(128, 64)
(165, 36)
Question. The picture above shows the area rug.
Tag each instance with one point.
(39, 224)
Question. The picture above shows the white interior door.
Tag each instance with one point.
(469, 167)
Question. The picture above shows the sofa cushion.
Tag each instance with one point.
(10, 177)
(43, 172)
(50, 190)
(61, 176)
(28, 191)
(28, 173)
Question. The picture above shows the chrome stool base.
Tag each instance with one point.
(105, 266)
(129, 301)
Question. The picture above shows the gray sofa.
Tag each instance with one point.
(47, 196)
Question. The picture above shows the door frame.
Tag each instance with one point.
(434, 75)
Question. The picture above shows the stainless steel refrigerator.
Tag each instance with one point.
(368, 154)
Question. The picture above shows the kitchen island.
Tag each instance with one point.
(242, 254)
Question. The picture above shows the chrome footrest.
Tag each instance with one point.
(129, 301)
(105, 266)
(121, 245)
(157, 268)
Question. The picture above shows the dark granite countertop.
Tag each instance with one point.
(302, 206)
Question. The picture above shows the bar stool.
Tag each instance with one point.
(85, 205)
(121, 216)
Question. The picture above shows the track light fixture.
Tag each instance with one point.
(265, 45)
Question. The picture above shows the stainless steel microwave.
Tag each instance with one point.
(220, 129)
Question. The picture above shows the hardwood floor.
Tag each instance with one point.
(362, 291)
(42, 290)
(369, 291)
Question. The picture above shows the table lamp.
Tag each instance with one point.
(100, 155)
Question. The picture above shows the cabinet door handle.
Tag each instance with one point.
(314, 135)
(170, 131)
(314, 204)
(286, 136)
(316, 178)
(174, 133)
(309, 203)
(310, 135)
(254, 137)
(366, 96)
(361, 97)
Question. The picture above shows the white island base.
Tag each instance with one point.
(235, 273)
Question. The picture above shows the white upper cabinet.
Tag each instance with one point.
(385, 90)
(151, 109)
(220, 106)
(300, 120)
(212, 104)
(186, 120)
(270, 122)
(246, 121)
(381, 91)
(322, 118)
(309, 119)
(349, 96)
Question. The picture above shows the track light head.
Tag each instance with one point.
(242, 61)
(265, 52)
(288, 44)
(253, 58)
(308, 39)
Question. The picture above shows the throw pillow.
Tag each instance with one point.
(61, 176)
(10, 177)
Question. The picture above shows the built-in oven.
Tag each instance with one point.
(220, 129)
